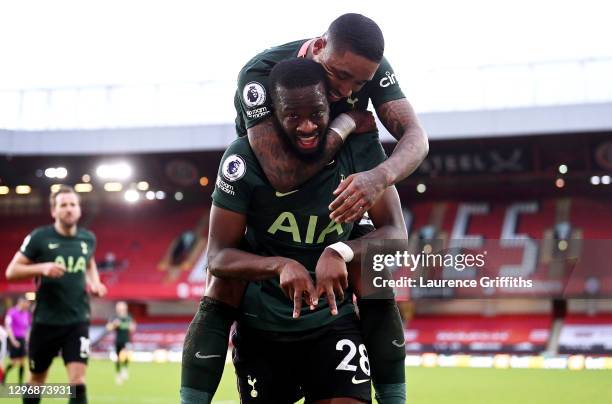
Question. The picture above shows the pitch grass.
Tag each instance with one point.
(154, 383)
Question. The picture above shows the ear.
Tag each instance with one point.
(319, 45)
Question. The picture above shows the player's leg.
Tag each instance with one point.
(265, 368)
(206, 342)
(21, 363)
(44, 344)
(338, 369)
(76, 376)
(118, 379)
(75, 352)
(123, 361)
(383, 334)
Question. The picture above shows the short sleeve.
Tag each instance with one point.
(384, 86)
(366, 151)
(31, 245)
(233, 185)
(252, 97)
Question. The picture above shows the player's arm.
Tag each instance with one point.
(9, 331)
(332, 275)
(227, 261)
(92, 276)
(280, 165)
(21, 267)
(112, 324)
(132, 326)
(361, 190)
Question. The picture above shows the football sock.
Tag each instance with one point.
(383, 334)
(7, 370)
(204, 351)
(21, 374)
(80, 396)
(117, 365)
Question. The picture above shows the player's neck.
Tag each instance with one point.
(68, 231)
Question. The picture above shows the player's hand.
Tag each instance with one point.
(364, 121)
(297, 284)
(356, 194)
(332, 278)
(52, 270)
(14, 342)
(98, 289)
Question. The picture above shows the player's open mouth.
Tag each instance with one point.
(333, 96)
(308, 142)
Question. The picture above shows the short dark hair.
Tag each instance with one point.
(358, 34)
(295, 73)
(63, 189)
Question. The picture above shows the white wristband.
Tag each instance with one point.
(344, 250)
(343, 125)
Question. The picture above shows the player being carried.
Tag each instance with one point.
(18, 320)
(61, 259)
(287, 343)
(351, 53)
(123, 325)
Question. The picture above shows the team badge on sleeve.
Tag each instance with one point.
(233, 168)
(254, 94)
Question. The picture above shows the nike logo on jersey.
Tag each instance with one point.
(281, 194)
(53, 246)
(197, 355)
(330, 163)
(359, 381)
(397, 344)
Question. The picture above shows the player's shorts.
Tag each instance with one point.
(46, 341)
(280, 368)
(17, 352)
(120, 346)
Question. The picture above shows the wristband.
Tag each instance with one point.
(343, 125)
(344, 250)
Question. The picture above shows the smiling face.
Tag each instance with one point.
(346, 71)
(303, 114)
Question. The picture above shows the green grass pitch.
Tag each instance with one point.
(158, 383)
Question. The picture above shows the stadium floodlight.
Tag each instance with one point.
(178, 196)
(605, 179)
(56, 172)
(4, 190)
(142, 186)
(113, 187)
(204, 181)
(31, 296)
(86, 178)
(160, 195)
(421, 188)
(595, 180)
(560, 183)
(131, 195)
(23, 189)
(150, 195)
(61, 172)
(117, 171)
(563, 169)
(55, 187)
(83, 187)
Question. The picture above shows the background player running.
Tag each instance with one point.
(61, 259)
(123, 325)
